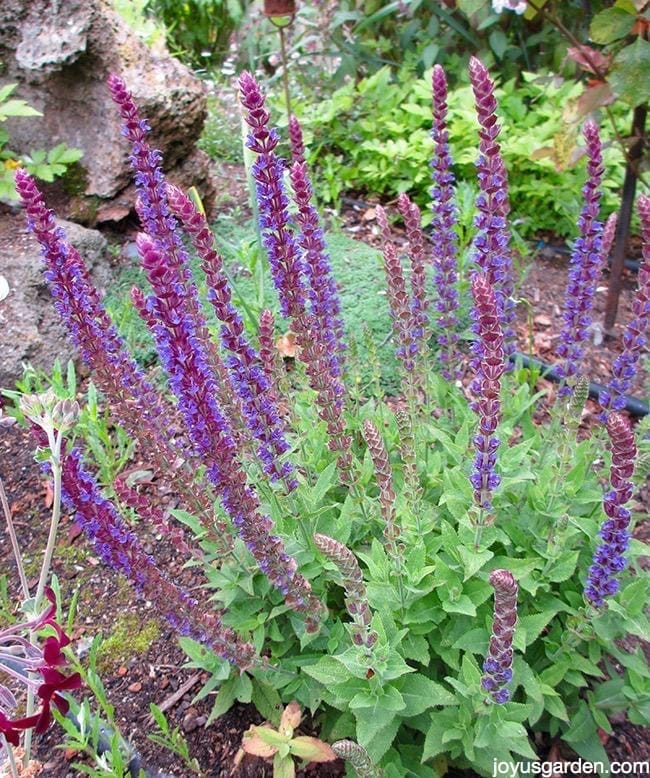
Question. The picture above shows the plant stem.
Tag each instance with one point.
(285, 73)
(10, 757)
(55, 442)
(14, 541)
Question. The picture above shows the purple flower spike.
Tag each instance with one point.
(193, 384)
(585, 267)
(445, 242)
(498, 664)
(323, 293)
(626, 365)
(296, 142)
(162, 227)
(284, 256)
(419, 301)
(137, 406)
(244, 369)
(119, 548)
(491, 245)
(609, 558)
(289, 272)
(489, 352)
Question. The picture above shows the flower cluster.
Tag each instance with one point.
(22, 660)
(489, 352)
(491, 245)
(247, 376)
(356, 597)
(609, 558)
(323, 293)
(498, 663)
(119, 548)
(293, 273)
(585, 266)
(445, 247)
(138, 407)
(287, 266)
(634, 339)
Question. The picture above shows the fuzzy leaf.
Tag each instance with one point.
(421, 693)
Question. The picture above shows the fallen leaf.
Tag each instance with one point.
(135, 687)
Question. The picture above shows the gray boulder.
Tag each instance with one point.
(31, 331)
(61, 52)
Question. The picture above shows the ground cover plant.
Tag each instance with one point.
(435, 578)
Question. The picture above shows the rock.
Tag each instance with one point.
(61, 54)
(30, 326)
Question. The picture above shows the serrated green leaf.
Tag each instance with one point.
(421, 693)
(267, 701)
(564, 567)
(327, 671)
(474, 641)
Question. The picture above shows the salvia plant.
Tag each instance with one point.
(435, 578)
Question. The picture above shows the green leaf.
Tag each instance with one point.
(473, 560)
(556, 707)
(533, 624)
(475, 641)
(267, 701)
(630, 73)
(462, 605)
(327, 671)
(17, 108)
(325, 482)
(498, 42)
(421, 693)
(564, 567)
(610, 25)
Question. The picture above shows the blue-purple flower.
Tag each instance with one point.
(585, 266)
(445, 241)
(609, 559)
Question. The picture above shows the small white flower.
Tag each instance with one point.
(518, 6)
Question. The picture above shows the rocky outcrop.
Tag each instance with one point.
(60, 52)
(30, 327)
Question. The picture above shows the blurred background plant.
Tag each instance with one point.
(46, 165)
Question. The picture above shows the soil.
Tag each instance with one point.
(156, 674)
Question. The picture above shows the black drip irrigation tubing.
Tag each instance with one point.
(633, 405)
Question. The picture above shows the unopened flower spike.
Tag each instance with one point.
(498, 663)
(356, 598)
